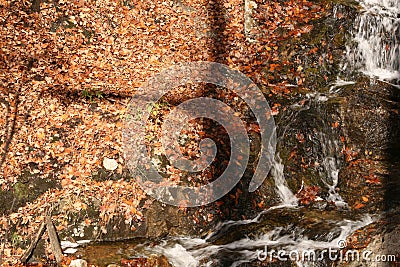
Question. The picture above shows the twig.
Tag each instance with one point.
(54, 242)
(10, 131)
(28, 253)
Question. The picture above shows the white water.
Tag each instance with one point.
(277, 171)
(331, 180)
(331, 166)
(377, 40)
(178, 255)
(191, 252)
(338, 84)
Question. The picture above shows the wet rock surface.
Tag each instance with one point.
(371, 127)
(311, 224)
(371, 118)
(378, 241)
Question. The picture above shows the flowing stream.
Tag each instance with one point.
(195, 252)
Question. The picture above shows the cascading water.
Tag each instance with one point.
(198, 252)
(331, 181)
(277, 171)
(241, 249)
(376, 47)
(331, 166)
(252, 247)
(326, 143)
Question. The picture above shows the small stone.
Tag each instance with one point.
(78, 263)
(70, 251)
(110, 164)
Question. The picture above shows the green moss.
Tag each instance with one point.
(92, 95)
(21, 191)
(27, 189)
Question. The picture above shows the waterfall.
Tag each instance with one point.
(330, 165)
(282, 189)
(376, 47)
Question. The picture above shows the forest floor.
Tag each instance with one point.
(69, 68)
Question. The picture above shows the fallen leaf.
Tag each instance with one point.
(358, 206)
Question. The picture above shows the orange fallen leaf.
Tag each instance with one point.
(358, 205)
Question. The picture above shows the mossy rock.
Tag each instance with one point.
(28, 188)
